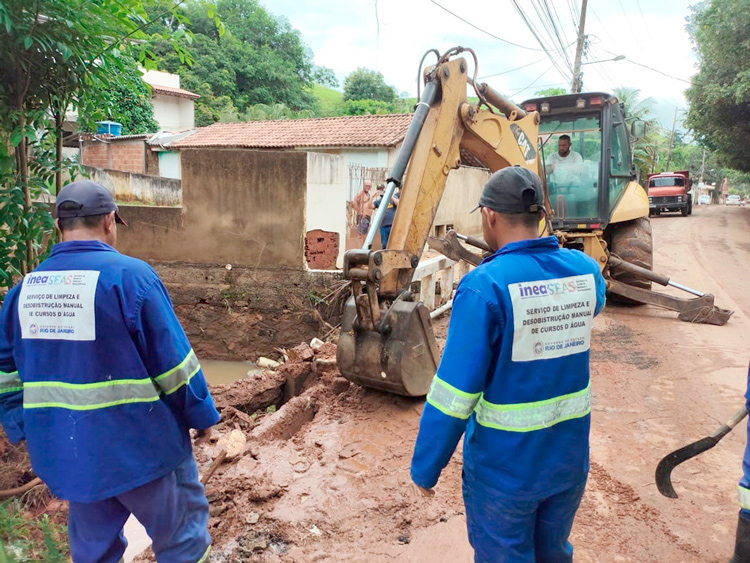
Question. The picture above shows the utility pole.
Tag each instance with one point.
(671, 139)
(577, 85)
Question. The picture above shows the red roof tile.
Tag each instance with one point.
(178, 92)
(348, 131)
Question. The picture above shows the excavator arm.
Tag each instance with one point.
(386, 340)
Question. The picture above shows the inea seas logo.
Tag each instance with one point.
(49, 279)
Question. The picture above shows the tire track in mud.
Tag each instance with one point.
(609, 506)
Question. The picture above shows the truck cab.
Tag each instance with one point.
(670, 191)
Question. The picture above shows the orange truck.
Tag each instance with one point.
(670, 191)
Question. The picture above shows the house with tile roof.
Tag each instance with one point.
(369, 145)
(174, 107)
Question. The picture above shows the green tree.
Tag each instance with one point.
(645, 149)
(368, 107)
(127, 101)
(55, 54)
(719, 95)
(550, 92)
(325, 77)
(364, 84)
(260, 59)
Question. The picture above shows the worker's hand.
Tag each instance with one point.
(202, 436)
(420, 492)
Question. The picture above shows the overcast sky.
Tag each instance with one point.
(391, 36)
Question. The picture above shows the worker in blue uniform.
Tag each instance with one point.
(97, 375)
(742, 542)
(515, 377)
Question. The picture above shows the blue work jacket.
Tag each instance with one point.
(515, 373)
(744, 488)
(97, 374)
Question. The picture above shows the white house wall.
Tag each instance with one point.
(173, 113)
(326, 197)
(169, 164)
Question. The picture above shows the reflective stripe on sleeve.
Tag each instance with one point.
(10, 382)
(180, 375)
(88, 396)
(451, 401)
(525, 417)
(204, 558)
(744, 497)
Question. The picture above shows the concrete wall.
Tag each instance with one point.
(173, 113)
(240, 207)
(127, 186)
(462, 191)
(326, 202)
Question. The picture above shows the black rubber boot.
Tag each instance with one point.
(742, 543)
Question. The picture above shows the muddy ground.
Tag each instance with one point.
(324, 473)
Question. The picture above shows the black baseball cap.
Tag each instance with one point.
(84, 199)
(513, 190)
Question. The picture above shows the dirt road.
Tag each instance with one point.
(327, 478)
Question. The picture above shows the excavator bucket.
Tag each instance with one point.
(400, 357)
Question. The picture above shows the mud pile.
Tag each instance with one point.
(324, 471)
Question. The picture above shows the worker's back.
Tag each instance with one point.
(96, 423)
(528, 434)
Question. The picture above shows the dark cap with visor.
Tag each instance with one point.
(84, 199)
(513, 190)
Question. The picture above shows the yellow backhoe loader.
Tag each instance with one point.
(386, 338)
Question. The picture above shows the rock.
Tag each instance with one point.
(252, 518)
(233, 443)
(264, 362)
(316, 343)
(301, 353)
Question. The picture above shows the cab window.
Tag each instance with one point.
(573, 178)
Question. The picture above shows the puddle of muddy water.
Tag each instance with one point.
(218, 372)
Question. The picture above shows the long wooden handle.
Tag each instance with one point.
(214, 466)
(731, 423)
(8, 493)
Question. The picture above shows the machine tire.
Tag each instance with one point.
(632, 241)
(684, 211)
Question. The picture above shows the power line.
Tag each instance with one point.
(535, 81)
(484, 31)
(528, 23)
(545, 9)
(645, 23)
(627, 19)
(511, 70)
(602, 24)
(631, 61)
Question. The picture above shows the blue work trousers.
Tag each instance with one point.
(385, 232)
(503, 530)
(173, 509)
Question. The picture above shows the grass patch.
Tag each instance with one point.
(330, 101)
(24, 538)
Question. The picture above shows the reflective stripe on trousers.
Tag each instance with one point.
(103, 394)
(519, 417)
(744, 497)
(10, 382)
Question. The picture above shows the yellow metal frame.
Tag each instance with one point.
(633, 204)
(486, 134)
